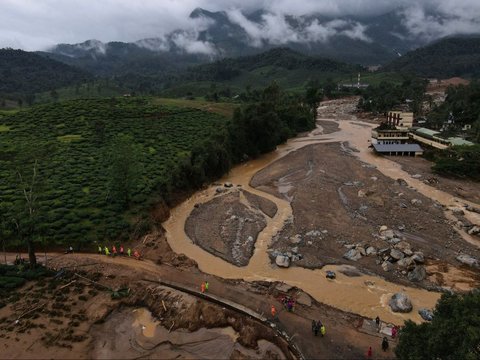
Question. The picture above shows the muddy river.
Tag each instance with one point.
(364, 295)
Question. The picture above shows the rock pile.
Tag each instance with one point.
(397, 255)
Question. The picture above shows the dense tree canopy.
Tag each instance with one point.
(453, 334)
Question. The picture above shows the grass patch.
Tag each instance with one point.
(221, 108)
(69, 138)
(4, 128)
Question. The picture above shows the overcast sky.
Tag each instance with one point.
(39, 24)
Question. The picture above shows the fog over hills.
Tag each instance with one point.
(366, 32)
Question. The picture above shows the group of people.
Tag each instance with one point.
(204, 287)
(288, 303)
(385, 343)
(317, 327)
(120, 251)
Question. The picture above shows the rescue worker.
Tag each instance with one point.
(136, 255)
(100, 249)
(107, 252)
(274, 312)
(129, 252)
(202, 287)
(114, 250)
(377, 321)
(206, 285)
(323, 330)
(121, 250)
(369, 352)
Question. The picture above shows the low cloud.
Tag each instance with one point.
(447, 18)
(39, 24)
(276, 30)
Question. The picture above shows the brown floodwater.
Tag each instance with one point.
(364, 295)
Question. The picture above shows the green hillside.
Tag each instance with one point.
(443, 59)
(76, 143)
(288, 68)
(25, 73)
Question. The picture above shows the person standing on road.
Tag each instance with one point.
(385, 344)
(202, 287)
(121, 250)
(107, 252)
(322, 329)
(369, 352)
(274, 312)
(206, 285)
(377, 321)
(129, 252)
(100, 249)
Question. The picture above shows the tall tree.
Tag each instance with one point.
(25, 219)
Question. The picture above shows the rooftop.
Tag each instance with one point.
(459, 141)
(397, 147)
(425, 131)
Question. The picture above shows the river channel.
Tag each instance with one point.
(365, 295)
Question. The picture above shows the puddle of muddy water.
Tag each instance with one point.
(145, 322)
(364, 295)
(128, 334)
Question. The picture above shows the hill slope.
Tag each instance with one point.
(27, 73)
(288, 68)
(448, 57)
(76, 200)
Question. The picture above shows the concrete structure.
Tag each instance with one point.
(389, 136)
(400, 119)
(398, 149)
(432, 138)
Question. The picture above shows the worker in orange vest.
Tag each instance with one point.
(202, 287)
(274, 312)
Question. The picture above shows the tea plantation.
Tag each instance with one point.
(75, 206)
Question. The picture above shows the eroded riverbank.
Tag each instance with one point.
(365, 295)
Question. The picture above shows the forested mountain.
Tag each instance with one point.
(119, 58)
(24, 72)
(284, 58)
(288, 68)
(458, 56)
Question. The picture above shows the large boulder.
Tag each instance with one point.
(396, 254)
(353, 255)
(468, 260)
(405, 262)
(387, 266)
(400, 303)
(475, 230)
(389, 234)
(418, 257)
(282, 261)
(402, 246)
(417, 274)
(426, 314)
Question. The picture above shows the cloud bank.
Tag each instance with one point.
(39, 24)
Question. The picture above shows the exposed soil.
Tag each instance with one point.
(92, 325)
(228, 225)
(462, 188)
(339, 201)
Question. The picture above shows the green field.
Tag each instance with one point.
(222, 108)
(74, 203)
